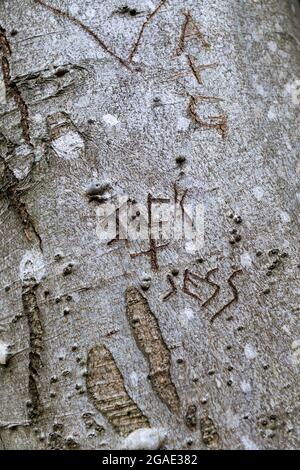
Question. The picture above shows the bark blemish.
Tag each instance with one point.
(14, 197)
(12, 87)
(150, 341)
(191, 417)
(210, 436)
(106, 388)
(33, 315)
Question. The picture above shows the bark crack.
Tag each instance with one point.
(19, 206)
(12, 87)
(32, 313)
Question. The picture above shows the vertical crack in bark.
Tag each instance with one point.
(32, 313)
(14, 197)
(12, 87)
(105, 386)
(144, 25)
(85, 28)
(2, 442)
(149, 339)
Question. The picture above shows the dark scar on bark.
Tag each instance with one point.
(235, 295)
(147, 334)
(18, 205)
(85, 28)
(106, 388)
(12, 87)
(144, 25)
(33, 315)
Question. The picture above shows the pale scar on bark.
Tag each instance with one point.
(150, 341)
(106, 388)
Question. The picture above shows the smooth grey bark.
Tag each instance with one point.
(91, 91)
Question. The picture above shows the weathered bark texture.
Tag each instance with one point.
(193, 99)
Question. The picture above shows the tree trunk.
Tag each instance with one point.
(152, 343)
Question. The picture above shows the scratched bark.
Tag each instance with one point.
(183, 101)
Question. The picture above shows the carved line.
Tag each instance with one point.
(144, 25)
(235, 295)
(85, 28)
(220, 126)
(182, 40)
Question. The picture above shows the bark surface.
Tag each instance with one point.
(194, 101)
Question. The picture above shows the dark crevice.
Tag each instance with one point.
(32, 313)
(10, 189)
(11, 86)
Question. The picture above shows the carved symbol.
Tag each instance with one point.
(152, 251)
(235, 295)
(214, 122)
(173, 288)
(189, 31)
(192, 279)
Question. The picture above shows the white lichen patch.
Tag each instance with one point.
(4, 353)
(145, 439)
(68, 146)
(2, 92)
(272, 113)
(110, 120)
(250, 352)
(32, 265)
(258, 192)
(246, 260)
(285, 217)
(188, 313)
(183, 123)
(232, 419)
(23, 161)
(134, 379)
(296, 352)
(248, 443)
(245, 387)
(272, 46)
